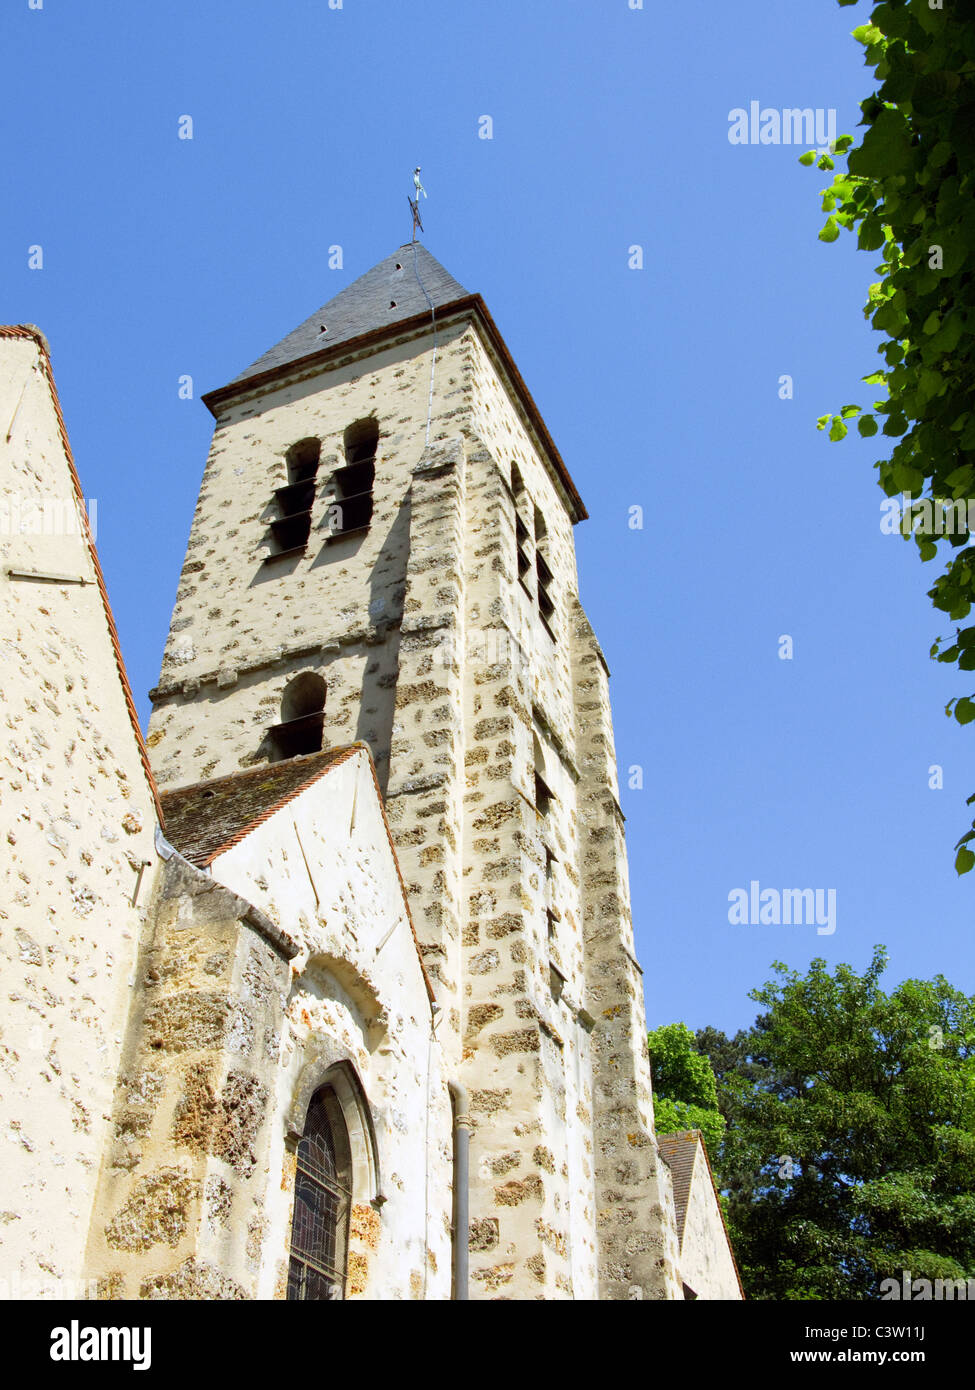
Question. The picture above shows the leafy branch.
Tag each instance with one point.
(908, 191)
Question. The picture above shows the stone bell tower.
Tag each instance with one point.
(382, 551)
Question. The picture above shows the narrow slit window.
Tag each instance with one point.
(543, 576)
(550, 862)
(543, 792)
(323, 1200)
(521, 541)
(543, 796)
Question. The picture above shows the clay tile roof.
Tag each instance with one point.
(386, 295)
(678, 1152)
(207, 817)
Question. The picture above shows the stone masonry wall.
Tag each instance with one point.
(638, 1251)
(526, 1031)
(242, 629)
(181, 1203)
(76, 827)
(425, 787)
(437, 655)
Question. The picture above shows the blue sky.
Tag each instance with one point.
(610, 129)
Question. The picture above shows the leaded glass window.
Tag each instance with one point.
(323, 1196)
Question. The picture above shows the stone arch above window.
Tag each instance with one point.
(342, 1077)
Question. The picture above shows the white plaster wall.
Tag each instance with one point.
(76, 819)
(705, 1258)
(358, 986)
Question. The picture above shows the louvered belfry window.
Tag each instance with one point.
(323, 1196)
(291, 527)
(352, 503)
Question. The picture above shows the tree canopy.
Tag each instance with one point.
(685, 1092)
(849, 1155)
(908, 191)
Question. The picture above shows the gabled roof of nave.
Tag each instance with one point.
(206, 819)
(679, 1151)
(388, 294)
(397, 291)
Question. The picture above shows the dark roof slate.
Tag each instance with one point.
(388, 294)
(679, 1152)
(203, 819)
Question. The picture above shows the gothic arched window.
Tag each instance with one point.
(323, 1197)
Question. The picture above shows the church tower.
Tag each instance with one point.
(382, 551)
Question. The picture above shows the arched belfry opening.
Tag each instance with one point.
(301, 729)
(302, 460)
(351, 504)
(293, 502)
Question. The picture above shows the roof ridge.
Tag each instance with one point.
(282, 801)
(383, 296)
(342, 755)
(262, 768)
(32, 332)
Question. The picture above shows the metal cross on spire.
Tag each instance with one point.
(415, 202)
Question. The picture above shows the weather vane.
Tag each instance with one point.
(415, 202)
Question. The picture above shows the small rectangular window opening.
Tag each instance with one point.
(298, 736)
(546, 606)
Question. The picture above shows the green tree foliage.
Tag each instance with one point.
(850, 1149)
(908, 191)
(685, 1093)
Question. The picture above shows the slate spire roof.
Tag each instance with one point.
(388, 294)
(394, 292)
